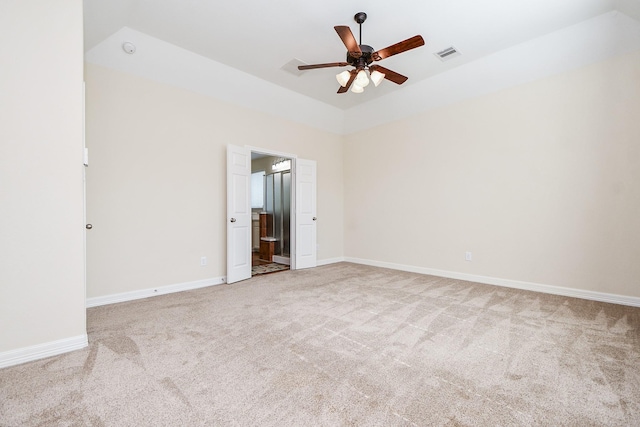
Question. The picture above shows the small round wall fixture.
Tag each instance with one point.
(129, 47)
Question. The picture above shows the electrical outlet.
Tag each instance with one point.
(203, 261)
(467, 256)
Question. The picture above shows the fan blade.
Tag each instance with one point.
(328, 65)
(349, 41)
(354, 73)
(403, 46)
(389, 75)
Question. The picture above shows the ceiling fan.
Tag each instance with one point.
(361, 56)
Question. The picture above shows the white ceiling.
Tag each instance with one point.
(505, 38)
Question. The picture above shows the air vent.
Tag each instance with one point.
(292, 67)
(448, 53)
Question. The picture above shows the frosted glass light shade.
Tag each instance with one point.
(356, 88)
(377, 77)
(343, 78)
(361, 79)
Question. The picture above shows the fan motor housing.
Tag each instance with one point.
(366, 56)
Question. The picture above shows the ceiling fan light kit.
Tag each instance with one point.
(377, 77)
(343, 78)
(361, 79)
(361, 56)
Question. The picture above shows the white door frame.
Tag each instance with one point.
(292, 224)
(85, 161)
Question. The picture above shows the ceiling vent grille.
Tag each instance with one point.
(448, 53)
(292, 67)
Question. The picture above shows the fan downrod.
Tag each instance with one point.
(360, 17)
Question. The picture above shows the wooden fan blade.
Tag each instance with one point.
(389, 75)
(403, 46)
(349, 40)
(328, 65)
(354, 73)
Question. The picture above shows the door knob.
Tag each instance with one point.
(233, 220)
(88, 226)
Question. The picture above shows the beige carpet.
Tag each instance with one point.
(340, 345)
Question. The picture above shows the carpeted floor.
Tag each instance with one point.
(337, 345)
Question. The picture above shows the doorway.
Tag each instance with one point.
(302, 228)
(271, 195)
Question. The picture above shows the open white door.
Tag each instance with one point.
(305, 238)
(238, 213)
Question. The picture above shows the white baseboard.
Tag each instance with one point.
(151, 292)
(329, 261)
(40, 351)
(507, 283)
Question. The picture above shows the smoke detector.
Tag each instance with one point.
(129, 47)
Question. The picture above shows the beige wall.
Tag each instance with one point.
(263, 164)
(266, 164)
(156, 186)
(541, 182)
(42, 297)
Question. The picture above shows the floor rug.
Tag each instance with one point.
(268, 268)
